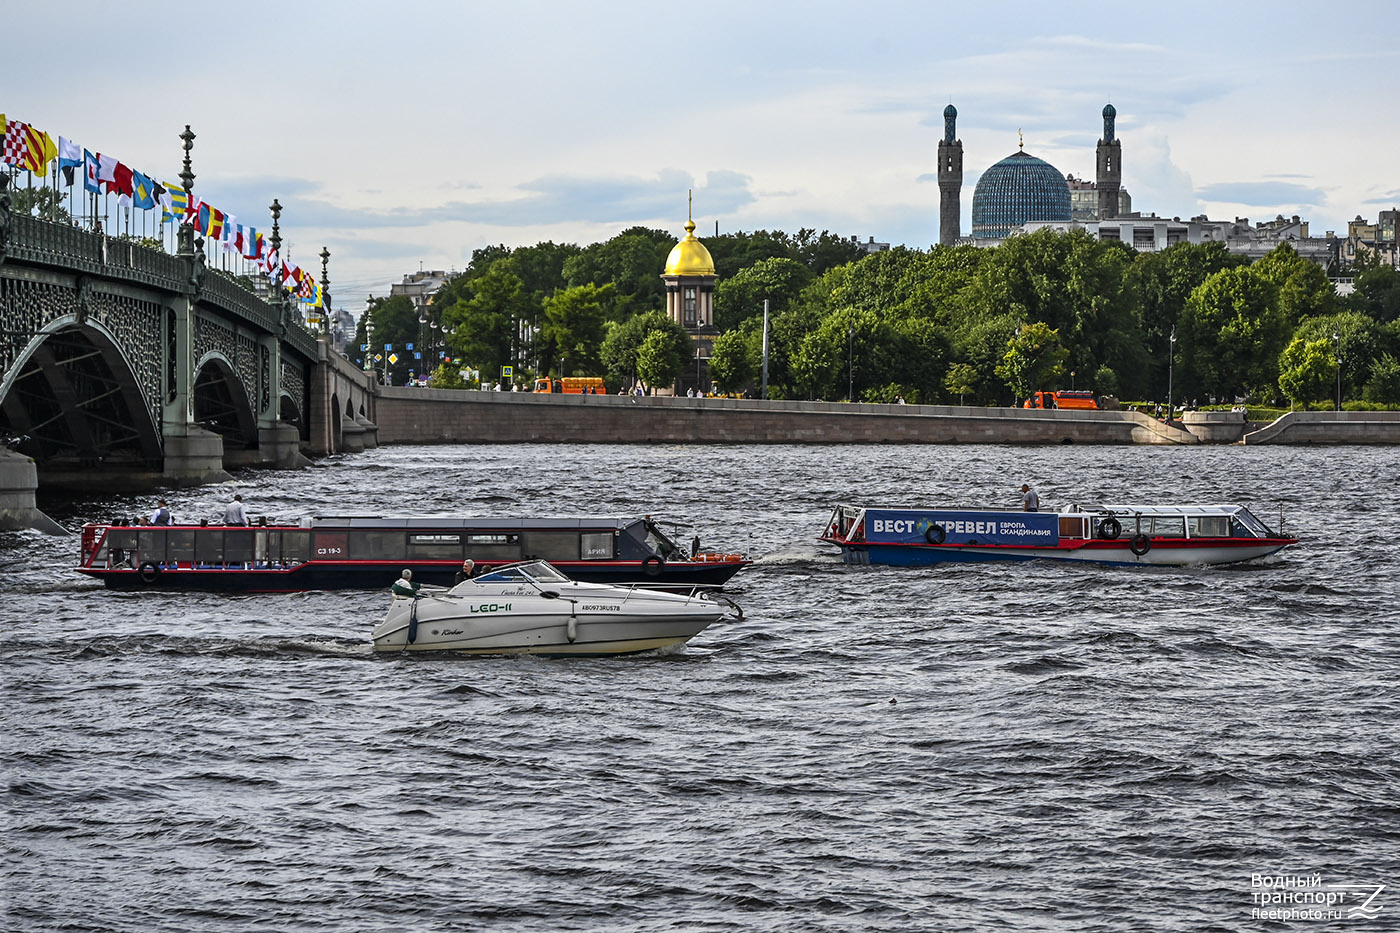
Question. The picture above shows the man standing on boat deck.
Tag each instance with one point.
(161, 516)
(235, 513)
(1030, 502)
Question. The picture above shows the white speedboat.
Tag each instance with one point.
(532, 608)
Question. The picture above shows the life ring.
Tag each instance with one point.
(1110, 528)
(148, 572)
(1140, 544)
(935, 534)
(653, 565)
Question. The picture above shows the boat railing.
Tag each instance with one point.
(195, 547)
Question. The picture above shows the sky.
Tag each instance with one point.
(403, 136)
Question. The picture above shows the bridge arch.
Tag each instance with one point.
(221, 403)
(74, 397)
(289, 412)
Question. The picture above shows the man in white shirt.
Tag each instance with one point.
(235, 513)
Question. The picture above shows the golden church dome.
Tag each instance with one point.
(689, 256)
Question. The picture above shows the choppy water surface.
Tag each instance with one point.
(1020, 746)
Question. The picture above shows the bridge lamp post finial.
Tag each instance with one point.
(184, 238)
(276, 209)
(325, 292)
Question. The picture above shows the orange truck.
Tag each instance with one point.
(1065, 398)
(573, 385)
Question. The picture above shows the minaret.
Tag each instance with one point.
(1110, 167)
(950, 177)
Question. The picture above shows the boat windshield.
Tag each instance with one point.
(538, 571)
(1246, 519)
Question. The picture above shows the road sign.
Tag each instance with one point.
(507, 371)
(388, 347)
(378, 357)
(393, 357)
(417, 355)
(408, 346)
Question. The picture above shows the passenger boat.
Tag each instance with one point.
(532, 608)
(1174, 535)
(341, 553)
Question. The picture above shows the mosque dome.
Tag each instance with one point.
(690, 257)
(1018, 189)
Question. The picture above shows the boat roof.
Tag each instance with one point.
(1073, 509)
(459, 522)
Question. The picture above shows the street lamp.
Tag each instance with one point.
(1171, 360)
(851, 363)
(1337, 344)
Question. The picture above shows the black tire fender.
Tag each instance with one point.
(148, 572)
(653, 565)
(935, 534)
(1140, 544)
(1110, 528)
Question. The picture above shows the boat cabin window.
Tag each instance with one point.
(1071, 526)
(652, 540)
(493, 546)
(552, 545)
(435, 546)
(376, 545)
(1169, 526)
(1124, 523)
(296, 547)
(596, 545)
(1208, 526)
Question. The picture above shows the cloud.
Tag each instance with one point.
(1262, 193)
(548, 200)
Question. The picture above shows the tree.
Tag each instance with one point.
(1307, 369)
(658, 359)
(962, 379)
(448, 376)
(1157, 286)
(1230, 336)
(1377, 293)
(1359, 344)
(1072, 283)
(484, 329)
(44, 203)
(1105, 381)
(741, 296)
(1034, 358)
(396, 326)
(632, 261)
(1384, 386)
(731, 360)
(574, 324)
(1304, 290)
(624, 340)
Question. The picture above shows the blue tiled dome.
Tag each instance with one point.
(1018, 188)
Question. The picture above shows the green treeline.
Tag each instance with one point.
(983, 326)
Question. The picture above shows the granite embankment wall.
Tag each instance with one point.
(1330, 427)
(428, 416)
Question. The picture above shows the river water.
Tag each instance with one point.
(1019, 747)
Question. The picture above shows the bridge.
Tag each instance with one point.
(130, 367)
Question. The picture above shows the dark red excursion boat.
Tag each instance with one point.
(352, 553)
